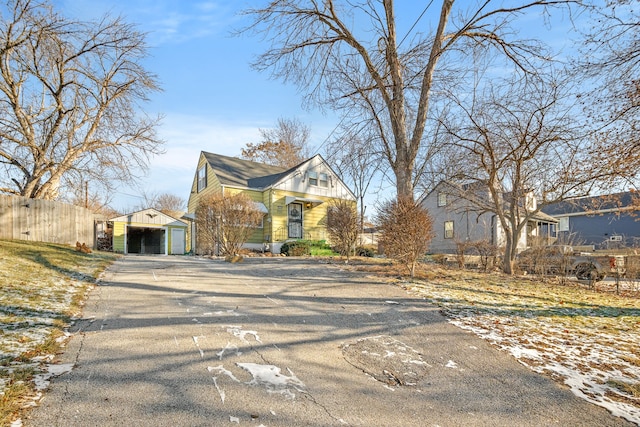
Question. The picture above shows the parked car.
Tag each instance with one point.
(562, 259)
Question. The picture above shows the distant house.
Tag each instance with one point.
(456, 219)
(294, 201)
(149, 231)
(608, 221)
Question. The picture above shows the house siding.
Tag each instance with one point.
(118, 236)
(469, 226)
(213, 185)
(598, 229)
(258, 235)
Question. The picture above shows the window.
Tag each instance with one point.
(202, 178)
(324, 181)
(563, 225)
(319, 179)
(442, 199)
(448, 229)
(313, 178)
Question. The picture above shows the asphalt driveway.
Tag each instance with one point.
(182, 341)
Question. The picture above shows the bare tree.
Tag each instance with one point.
(405, 231)
(225, 223)
(384, 78)
(522, 149)
(83, 194)
(69, 97)
(342, 226)
(610, 61)
(170, 204)
(357, 163)
(286, 145)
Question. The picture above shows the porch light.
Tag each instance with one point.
(308, 205)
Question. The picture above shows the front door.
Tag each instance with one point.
(295, 220)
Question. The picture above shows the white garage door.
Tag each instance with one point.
(177, 241)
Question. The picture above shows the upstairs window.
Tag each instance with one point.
(442, 199)
(319, 179)
(323, 180)
(313, 178)
(202, 178)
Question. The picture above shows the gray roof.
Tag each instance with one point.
(244, 173)
(593, 204)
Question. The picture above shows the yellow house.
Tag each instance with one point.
(149, 231)
(294, 201)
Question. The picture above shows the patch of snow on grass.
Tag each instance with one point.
(585, 340)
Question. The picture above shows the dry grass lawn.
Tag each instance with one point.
(43, 288)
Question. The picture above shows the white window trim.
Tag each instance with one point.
(452, 232)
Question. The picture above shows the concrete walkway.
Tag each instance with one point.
(182, 341)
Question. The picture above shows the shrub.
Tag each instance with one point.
(365, 251)
(405, 231)
(342, 226)
(296, 248)
(225, 223)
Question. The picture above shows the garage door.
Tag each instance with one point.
(177, 241)
(145, 240)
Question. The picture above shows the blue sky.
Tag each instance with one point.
(212, 100)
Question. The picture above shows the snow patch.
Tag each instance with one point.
(238, 332)
(42, 380)
(273, 380)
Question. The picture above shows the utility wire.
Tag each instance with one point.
(415, 23)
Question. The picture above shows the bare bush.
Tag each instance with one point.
(225, 223)
(405, 231)
(342, 226)
(488, 252)
(462, 250)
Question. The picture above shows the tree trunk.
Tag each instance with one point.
(404, 177)
(508, 260)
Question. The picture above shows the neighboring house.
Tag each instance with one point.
(606, 222)
(457, 220)
(149, 231)
(294, 201)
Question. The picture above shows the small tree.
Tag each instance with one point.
(225, 223)
(405, 231)
(285, 146)
(342, 226)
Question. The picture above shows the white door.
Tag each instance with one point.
(177, 241)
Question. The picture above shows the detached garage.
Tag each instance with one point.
(149, 231)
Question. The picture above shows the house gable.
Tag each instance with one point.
(314, 177)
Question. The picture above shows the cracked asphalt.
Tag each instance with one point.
(185, 341)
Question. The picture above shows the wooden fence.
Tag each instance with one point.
(45, 221)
